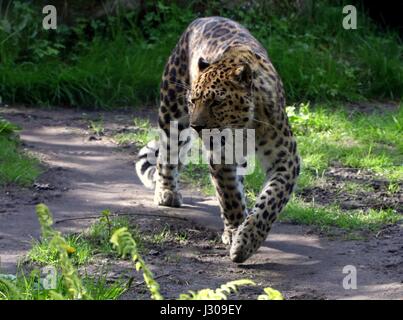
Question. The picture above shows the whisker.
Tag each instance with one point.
(180, 84)
(266, 123)
(179, 96)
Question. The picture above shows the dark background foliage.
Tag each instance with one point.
(111, 53)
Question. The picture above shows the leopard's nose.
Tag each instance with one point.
(196, 127)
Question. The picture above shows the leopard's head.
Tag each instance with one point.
(221, 95)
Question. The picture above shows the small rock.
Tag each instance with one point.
(351, 204)
(43, 186)
(206, 247)
(94, 138)
(154, 252)
(392, 250)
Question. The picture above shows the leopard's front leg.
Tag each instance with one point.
(169, 162)
(280, 161)
(173, 119)
(230, 195)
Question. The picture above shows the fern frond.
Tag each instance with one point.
(8, 289)
(126, 246)
(70, 274)
(221, 293)
(270, 294)
(45, 219)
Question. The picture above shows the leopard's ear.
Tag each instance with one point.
(243, 74)
(203, 64)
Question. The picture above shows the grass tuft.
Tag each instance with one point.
(43, 253)
(16, 167)
(301, 212)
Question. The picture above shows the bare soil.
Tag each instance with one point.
(84, 174)
(367, 192)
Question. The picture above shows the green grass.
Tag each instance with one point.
(352, 187)
(81, 251)
(162, 236)
(99, 233)
(370, 142)
(121, 63)
(97, 127)
(65, 254)
(95, 80)
(100, 288)
(84, 246)
(322, 61)
(301, 212)
(198, 174)
(116, 67)
(29, 287)
(167, 235)
(15, 166)
(141, 135)
(393, 187)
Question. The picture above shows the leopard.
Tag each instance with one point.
(220, 76)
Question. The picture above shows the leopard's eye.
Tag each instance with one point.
(215, 103)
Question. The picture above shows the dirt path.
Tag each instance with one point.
(84, 176)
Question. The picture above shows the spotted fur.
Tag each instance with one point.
(220, 76)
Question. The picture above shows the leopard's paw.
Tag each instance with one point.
(168, 198)
(245, 242)
(227, 235)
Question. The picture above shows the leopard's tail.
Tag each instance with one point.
(146, 164)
